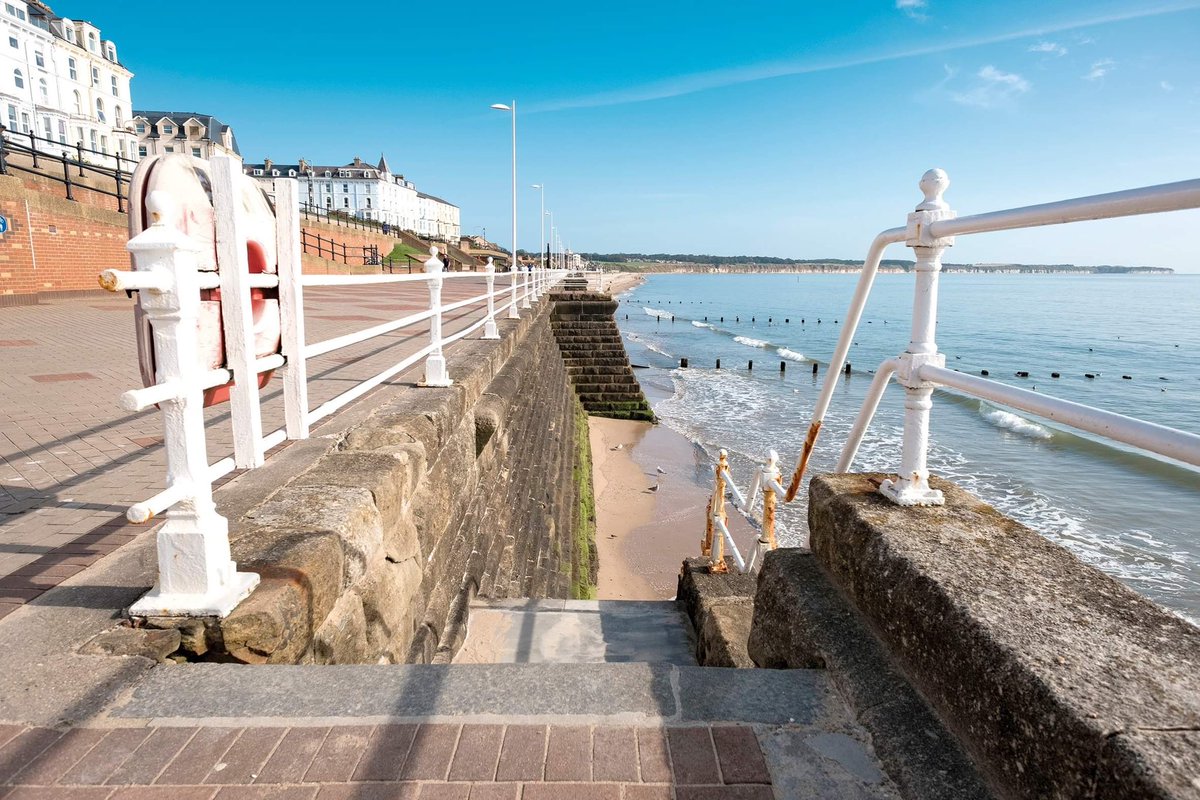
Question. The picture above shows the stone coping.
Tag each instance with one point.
(1060, 681)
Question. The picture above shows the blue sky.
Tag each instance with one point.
(787, 129)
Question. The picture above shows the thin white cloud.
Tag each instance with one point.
(1099, 69)
(992, 88)
(679, 85)
(913, 8)
(1050, 48)
(1167, 86)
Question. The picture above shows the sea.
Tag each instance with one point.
(1134, 515)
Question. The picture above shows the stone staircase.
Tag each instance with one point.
(595, 356)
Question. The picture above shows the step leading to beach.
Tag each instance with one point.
(523, 631)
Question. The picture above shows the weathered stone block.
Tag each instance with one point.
(271, 626)
(721, 608)
(348, 513)
(384, 475)
(1035, 659)
(390, 594)
(342, 637)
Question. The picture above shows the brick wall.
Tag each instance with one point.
(54, 244)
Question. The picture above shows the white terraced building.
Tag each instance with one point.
(61, 80)
(366, 191)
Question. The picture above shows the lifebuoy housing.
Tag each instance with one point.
(186, 179)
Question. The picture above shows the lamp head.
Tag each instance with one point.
(501, 107)
(536, 186)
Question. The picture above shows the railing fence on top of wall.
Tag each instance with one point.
(196, 574)
(930, 229)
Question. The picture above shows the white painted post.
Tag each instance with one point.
(525, 288)
(291, 306)
(513, 306)
(236, 314)
(196, 576)
(489, 327)
(435, 363)
(912, 485)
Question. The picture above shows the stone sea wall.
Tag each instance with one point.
(374, 553)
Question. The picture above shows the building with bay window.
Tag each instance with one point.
(62, 83)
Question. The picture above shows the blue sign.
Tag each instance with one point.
(3, 224)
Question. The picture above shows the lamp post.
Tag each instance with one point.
(542, 239)
(512, 109)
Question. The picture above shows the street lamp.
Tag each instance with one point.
(542, 239)
(512, 109)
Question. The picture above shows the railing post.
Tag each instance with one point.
(196, 575)
(525, 283)
(117, 175)
(33, 150)
(291, 307)
(435, 363)
(489, 327)
(79, 157)
(67, 176)
(717, 553)
(512, 308)
(237, 315)
(911, 488)
(3, 157)
(770, 475)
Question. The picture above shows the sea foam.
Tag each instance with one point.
(657, 312)
(791, 355)
(746, 340)
(1014, 423)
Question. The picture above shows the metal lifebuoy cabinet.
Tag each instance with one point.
(186, 179)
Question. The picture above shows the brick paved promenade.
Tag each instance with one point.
(455, 762)
(71, 461)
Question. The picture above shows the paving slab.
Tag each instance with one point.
(576, 632)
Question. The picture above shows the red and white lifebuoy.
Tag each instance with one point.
(186, 179)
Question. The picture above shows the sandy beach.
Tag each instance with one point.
(617, 282)
(647, 522)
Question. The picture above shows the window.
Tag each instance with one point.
(18, 79)
(274, 173)
(45, 92)
(345, 187)
(292, 174)
(117, 118)
(258, 173)
(92, 41)
(368, 202)
(100, 109)
(328, 173)
(39, 59)
(12, 42)
(62, 132)
(196, 152)
(79, 136)
(71, 68)
(103, 144)
(95, 76)
(95, 144)
(141, 151)
(19, 13)
(12, 117)
(168, 129)
(169, 148)
(110, 53)
(328, 202)
(345, 202)
(114, 87)
(49, 126)
(78, 102)
(141, 127)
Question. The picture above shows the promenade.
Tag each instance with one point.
(72, 461)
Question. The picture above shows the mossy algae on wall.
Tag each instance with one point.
(585, 565)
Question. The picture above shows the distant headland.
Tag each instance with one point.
(674, 262)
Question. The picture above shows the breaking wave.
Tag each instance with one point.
(1012, 422)
(700, 324)
(746, 340)
(657, 312)
(791, 355)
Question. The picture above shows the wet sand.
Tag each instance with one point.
(617, 282)
(646, 522)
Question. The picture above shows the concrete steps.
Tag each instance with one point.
(576, 632)
(595, 356)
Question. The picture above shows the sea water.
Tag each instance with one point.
(1134, 515)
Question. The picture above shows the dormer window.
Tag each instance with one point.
(92, 41)
(168, 129)
(328, 174)
(258, 173)
(274, 173)
(141, 128)
(291, 173)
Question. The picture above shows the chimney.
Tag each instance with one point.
(304, 166)
(267, 164)
(357, 161)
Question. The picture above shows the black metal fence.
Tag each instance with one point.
(351, 255)
(64, 164)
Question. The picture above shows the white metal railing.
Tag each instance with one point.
(196, 574)
(765, 483)
(921, 368)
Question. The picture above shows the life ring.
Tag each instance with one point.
(187, 180)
